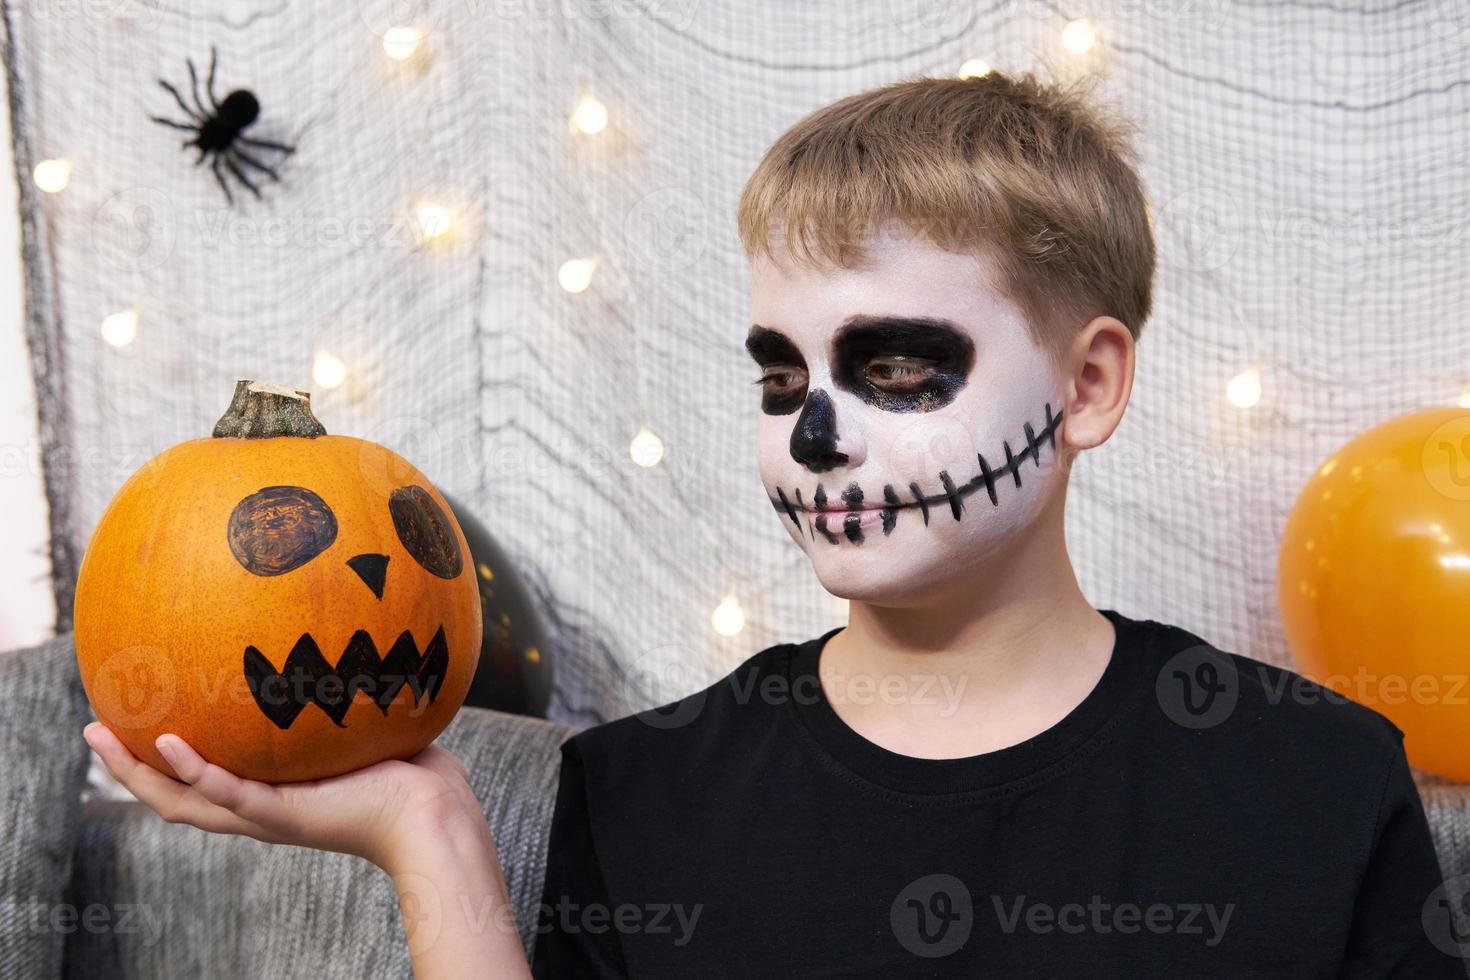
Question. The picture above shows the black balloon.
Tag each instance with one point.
(515, 659)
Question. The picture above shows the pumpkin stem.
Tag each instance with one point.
(259, 410)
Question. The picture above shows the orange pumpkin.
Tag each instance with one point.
(294, 605)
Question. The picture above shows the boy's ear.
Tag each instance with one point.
(1099, 379)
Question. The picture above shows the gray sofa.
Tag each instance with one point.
(105, 889)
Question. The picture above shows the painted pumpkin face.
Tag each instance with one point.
(293, 607)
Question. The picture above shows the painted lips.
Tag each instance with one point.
(836, 519)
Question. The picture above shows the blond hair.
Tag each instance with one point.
(1024, 171)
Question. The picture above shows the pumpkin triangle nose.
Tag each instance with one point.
(372, 569)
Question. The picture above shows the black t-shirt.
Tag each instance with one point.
(1198, 814)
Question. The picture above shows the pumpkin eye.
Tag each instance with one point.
(276, 529)
(425, 531)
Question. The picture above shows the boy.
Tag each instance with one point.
(980, 774)
(948, 277)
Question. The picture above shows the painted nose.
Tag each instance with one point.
(814, 439)
(372, 569)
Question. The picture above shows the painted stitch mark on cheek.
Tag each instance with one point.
(800, 504)
(902, 364)
(949, 491)
(790, 510)
(1011, 464)
(919, 499)
(988, 476)
(852, 513)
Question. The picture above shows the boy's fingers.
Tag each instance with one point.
(119, 761)
(258, 803)
(176, 802)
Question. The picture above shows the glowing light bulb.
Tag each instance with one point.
(400, 43)
(327, 370)
(728, 618)
(974, 68)
(119, 328)
(575, 275)
(1464, 401)
(433, 219)
(646, 448)
(590, 116)
(52, 176)
(1079, 36)
(1244, 390)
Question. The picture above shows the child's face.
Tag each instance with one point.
(884, 386)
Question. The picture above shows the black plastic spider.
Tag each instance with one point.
(219, 131)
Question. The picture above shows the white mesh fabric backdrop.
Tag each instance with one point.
(1306, 162)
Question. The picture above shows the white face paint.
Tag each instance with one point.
(867, 417)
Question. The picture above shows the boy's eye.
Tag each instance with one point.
(899, 373)
(783, 389)
(780, 381)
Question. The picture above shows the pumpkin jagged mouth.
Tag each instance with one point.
(952, 496)
(307, 678)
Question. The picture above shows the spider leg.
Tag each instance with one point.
(221, 179)
(209, 86)
(265, 144)
(230, 165)
(180, 100)
(194, 87)
(175, 125)
(246, 158)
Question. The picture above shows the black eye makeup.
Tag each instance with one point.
(783, 378)
(902, 364)
(893, 363)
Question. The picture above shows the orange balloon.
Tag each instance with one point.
(1374, 580)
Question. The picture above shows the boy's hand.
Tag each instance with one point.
(374, 812)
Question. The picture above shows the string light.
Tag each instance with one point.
(327, 370)
(1464, 401)
(52, 176)
(1079, 36)
(974, 68)
(119, 328)
(728, 618)
(1244, 390)
(433, 220)
(646, 449)
(400, 43)
(590, 116)
(575, 275)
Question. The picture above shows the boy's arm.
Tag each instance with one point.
(576, 935)
(1397, 929)
(416, 819)
(456, 909)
